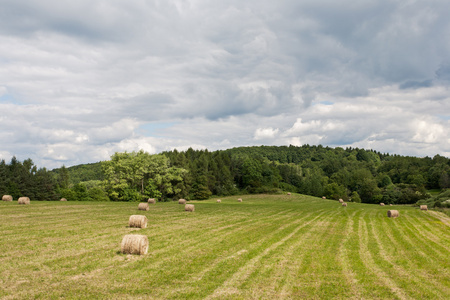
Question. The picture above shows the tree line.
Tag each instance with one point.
(25, 179)
(352, 174)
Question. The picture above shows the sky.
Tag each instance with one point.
(81, 80)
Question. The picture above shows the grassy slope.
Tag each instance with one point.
(265, 247)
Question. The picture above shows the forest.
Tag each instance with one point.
(352, 174)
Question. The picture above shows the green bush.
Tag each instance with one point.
(97, 194)
(69, 194)
(335, 191)
(355, 197)
(131, 195)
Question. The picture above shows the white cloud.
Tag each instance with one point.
(428, 132)
(78, 79)
(115, 132)
(136, 145)
(265, 133)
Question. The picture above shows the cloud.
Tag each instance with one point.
(265, 133)
(428, 132)
(443, 72)
(116, 132)
(416, 84)
(380, 121)
(79, 80)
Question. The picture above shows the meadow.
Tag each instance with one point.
(267, 247)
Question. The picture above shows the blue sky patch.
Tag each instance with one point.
(7, 98)
(444, 117)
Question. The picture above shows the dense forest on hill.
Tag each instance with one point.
(352, 174)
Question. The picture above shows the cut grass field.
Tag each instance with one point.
(267, 247)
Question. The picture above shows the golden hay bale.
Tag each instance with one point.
(288, 194)
(7, 198)
(393, 213)
(63, 199)
(324, 197)
(134, 244)
(182, 201)
(382, 204)
(423, 207)
(240, 200)
(344, 204)
(24, 200)
(189, 207)
(143, 206)
(137, 221)
(341, 201)
(390, 204)
(218, 200)
(151, 201)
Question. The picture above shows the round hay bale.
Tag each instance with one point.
(240, 200)
(218, 200)
(344, 204)
(324, 197)
(423, 207)
(23, 200)
(134, 244)
(182, 201)
(7, 198)
(189, 207)
(390, 204)
(143, 206)
(382, 204)
(151, 201)
(393, 213)
(63, 199)
(288, 194)
(341, 201)
(137, 221)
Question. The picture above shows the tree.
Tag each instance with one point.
(81, 193)
(313, 185)
(46, 187)
(362, 155)
(355, 197)
(444, 180)
(163, 180)
(63, 178)
(4, 172)
(391, 194)
(138, 175)
(384, 180)
(200, 183)
(369, 191)
(251, 174)
(335, 191)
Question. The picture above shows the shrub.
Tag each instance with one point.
(69, 194)
(335, 191)
(97, 194)
(131, 195)
(81, 193)
(355, 197)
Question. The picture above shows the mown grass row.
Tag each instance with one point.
(263, 248)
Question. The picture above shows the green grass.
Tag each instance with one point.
(267, 247)
(434, 192)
